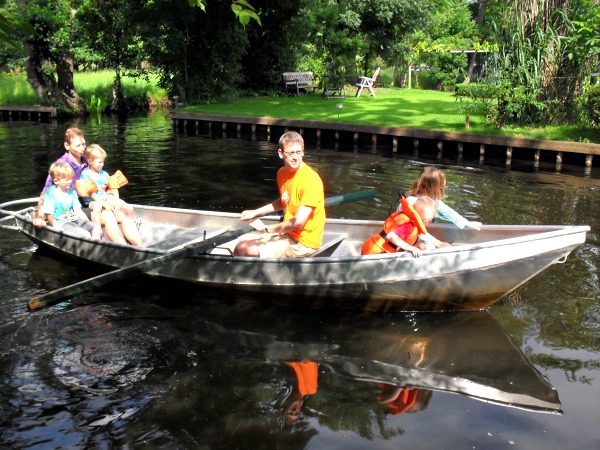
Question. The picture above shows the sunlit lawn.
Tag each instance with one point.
(91, 86)
(407, 108)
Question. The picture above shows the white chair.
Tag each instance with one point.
(366, 82)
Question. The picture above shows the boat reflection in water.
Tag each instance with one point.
(403, 358)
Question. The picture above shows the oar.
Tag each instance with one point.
(194, 247)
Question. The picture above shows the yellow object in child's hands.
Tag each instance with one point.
(117, 180)
(86, 188)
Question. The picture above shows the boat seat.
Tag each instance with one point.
(330, 243)
(184, 236)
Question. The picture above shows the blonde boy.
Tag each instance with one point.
(61, 207)
(103, 197)
(105, 205)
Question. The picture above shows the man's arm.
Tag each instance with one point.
(270, 208)
(295, 223)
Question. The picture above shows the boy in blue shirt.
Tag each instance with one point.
(61, 207)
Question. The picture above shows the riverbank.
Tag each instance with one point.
(95, 88)
(392, 107)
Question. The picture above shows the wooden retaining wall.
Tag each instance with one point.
(514, 147)
(37, 113)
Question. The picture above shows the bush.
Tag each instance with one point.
(475, 91)
(590, 105)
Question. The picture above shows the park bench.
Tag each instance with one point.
(294, 81)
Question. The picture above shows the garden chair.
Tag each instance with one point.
(366, 82)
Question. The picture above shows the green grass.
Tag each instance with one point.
(15, 90)
(95, 88)
(406, 108)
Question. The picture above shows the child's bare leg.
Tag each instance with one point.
(96, 210)
(111, 227)
(127, 210)
(131, 232)
(97, 232)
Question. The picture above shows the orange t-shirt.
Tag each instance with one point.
(307, 374)
(303, 188)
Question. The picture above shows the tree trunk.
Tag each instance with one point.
(66, 86)
(473, 56)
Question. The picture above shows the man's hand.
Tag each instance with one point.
(248, 215)
(258, 225)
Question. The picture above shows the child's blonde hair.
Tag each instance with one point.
(430, 183)
(60, 170)
(94, 151)
(425, 203)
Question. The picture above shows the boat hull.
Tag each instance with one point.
(477, 270)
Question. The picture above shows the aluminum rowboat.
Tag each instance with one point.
(479, 268)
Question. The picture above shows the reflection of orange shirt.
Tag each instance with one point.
(303, 188)
(306, 372)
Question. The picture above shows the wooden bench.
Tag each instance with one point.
(299, 80)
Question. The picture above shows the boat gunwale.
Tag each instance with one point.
(541, 232)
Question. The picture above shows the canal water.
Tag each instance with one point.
(145, 364)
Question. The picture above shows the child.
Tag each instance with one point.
(100, 192)
(402, 229)
(74, 144)
(61, 207)
(103, 196)
(431, 183)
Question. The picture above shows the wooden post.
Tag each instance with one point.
(373, 143)
(238, 130)
(253, 132)
(481, 153)
(395, 144)
(536, 159)
(509, 156)
(558, 161)
(440, 148)
(415, 147)
(318, 138)
(459, 146)
(588, 165)
(337, 139)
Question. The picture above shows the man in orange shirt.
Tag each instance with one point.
(301, 196)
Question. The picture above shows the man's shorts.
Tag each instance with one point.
(282, 246)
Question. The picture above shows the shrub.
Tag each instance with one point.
(590, 105)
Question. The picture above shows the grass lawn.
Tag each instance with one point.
(95, 88)
(406, 108)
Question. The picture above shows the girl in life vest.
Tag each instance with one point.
(432, 183)
(402, 228)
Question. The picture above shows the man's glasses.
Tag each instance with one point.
(296, 153)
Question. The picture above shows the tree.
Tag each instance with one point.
(547, 49)
(113, 35)
(49, 63)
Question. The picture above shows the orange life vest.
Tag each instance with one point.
(404, 400)
(378, 242)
